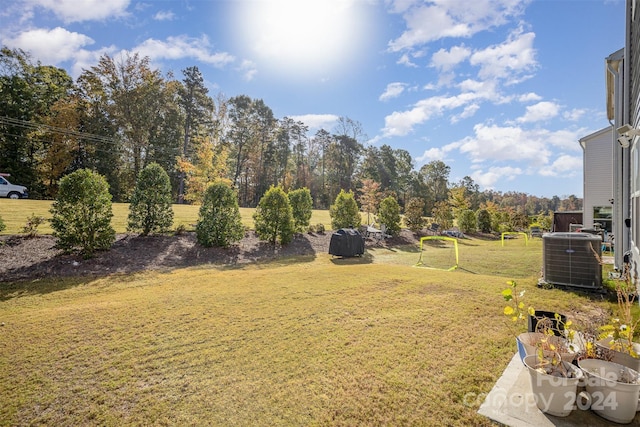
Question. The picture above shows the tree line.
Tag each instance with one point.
(121, 115)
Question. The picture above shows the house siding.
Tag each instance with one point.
(632, 54)
(598, 172)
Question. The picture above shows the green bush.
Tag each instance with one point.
(82, 213)
(219, 220)
(320, 228)
(3, 226)
(389, 215)
(484, 221)
(413, 214)
(344, 212)
(467, 221)
(301, 208)
(31, 227)
(150, 209)
(273, 218)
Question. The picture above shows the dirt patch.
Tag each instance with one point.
(31, 258)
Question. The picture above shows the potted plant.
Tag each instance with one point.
(619, 334)
(544, 335)
(613, 389)
(554, 382)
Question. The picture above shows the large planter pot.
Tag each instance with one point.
(622, 358)
(611, 399)
(553, 395)
(527, 345)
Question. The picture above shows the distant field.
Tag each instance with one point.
(15, 213)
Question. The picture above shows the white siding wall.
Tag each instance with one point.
(598, 172)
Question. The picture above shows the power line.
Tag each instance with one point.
(29, 125)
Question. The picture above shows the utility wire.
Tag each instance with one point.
(40, 126)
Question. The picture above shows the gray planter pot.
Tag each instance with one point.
(553, 395)
(611, 399)
(527, 345)
(620, 357)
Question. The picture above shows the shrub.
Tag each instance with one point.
(344, 212)
(389, 215)
(273, 218)
(320, 228)
(219, 220)
(484, 221)
(413, 214)
(3, 226)
(31, 227)
(180, 229)
(150, 209)
(301, 208)
(82, 213)
(467, 221)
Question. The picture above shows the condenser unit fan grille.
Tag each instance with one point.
(572, 259)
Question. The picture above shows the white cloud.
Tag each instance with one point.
(565, 166)
(435, 153)
(72, 11)
(393, 90)
(567, 139)
(402, 123)
(469, 111)
(529, 97)
(575, 114)
(488, 178)
(510, 60)
(51, 46)
(249, 70)
(498, 144)
(445, 60)
(317, 121)
(429, 21)
(164, 15)
(176, 47)
(405, 60)
(541, 111)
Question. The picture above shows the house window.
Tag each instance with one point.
(602, 215)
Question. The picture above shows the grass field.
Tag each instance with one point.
(303, 341)
(15, 213)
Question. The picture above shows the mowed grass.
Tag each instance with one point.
(311, 341)
(14, 213)
(294, 342)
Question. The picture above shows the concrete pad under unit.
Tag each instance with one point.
(511, 403)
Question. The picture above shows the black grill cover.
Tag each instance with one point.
(346, 242)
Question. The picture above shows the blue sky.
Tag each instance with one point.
(500, 90)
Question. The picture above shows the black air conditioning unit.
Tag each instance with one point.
(572, 259)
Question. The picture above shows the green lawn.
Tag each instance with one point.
(322, 341)
(15, 213)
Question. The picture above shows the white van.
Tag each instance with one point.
(11, 191)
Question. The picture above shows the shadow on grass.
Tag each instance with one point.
(367, 258)
(11, 290)
(133, 254)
